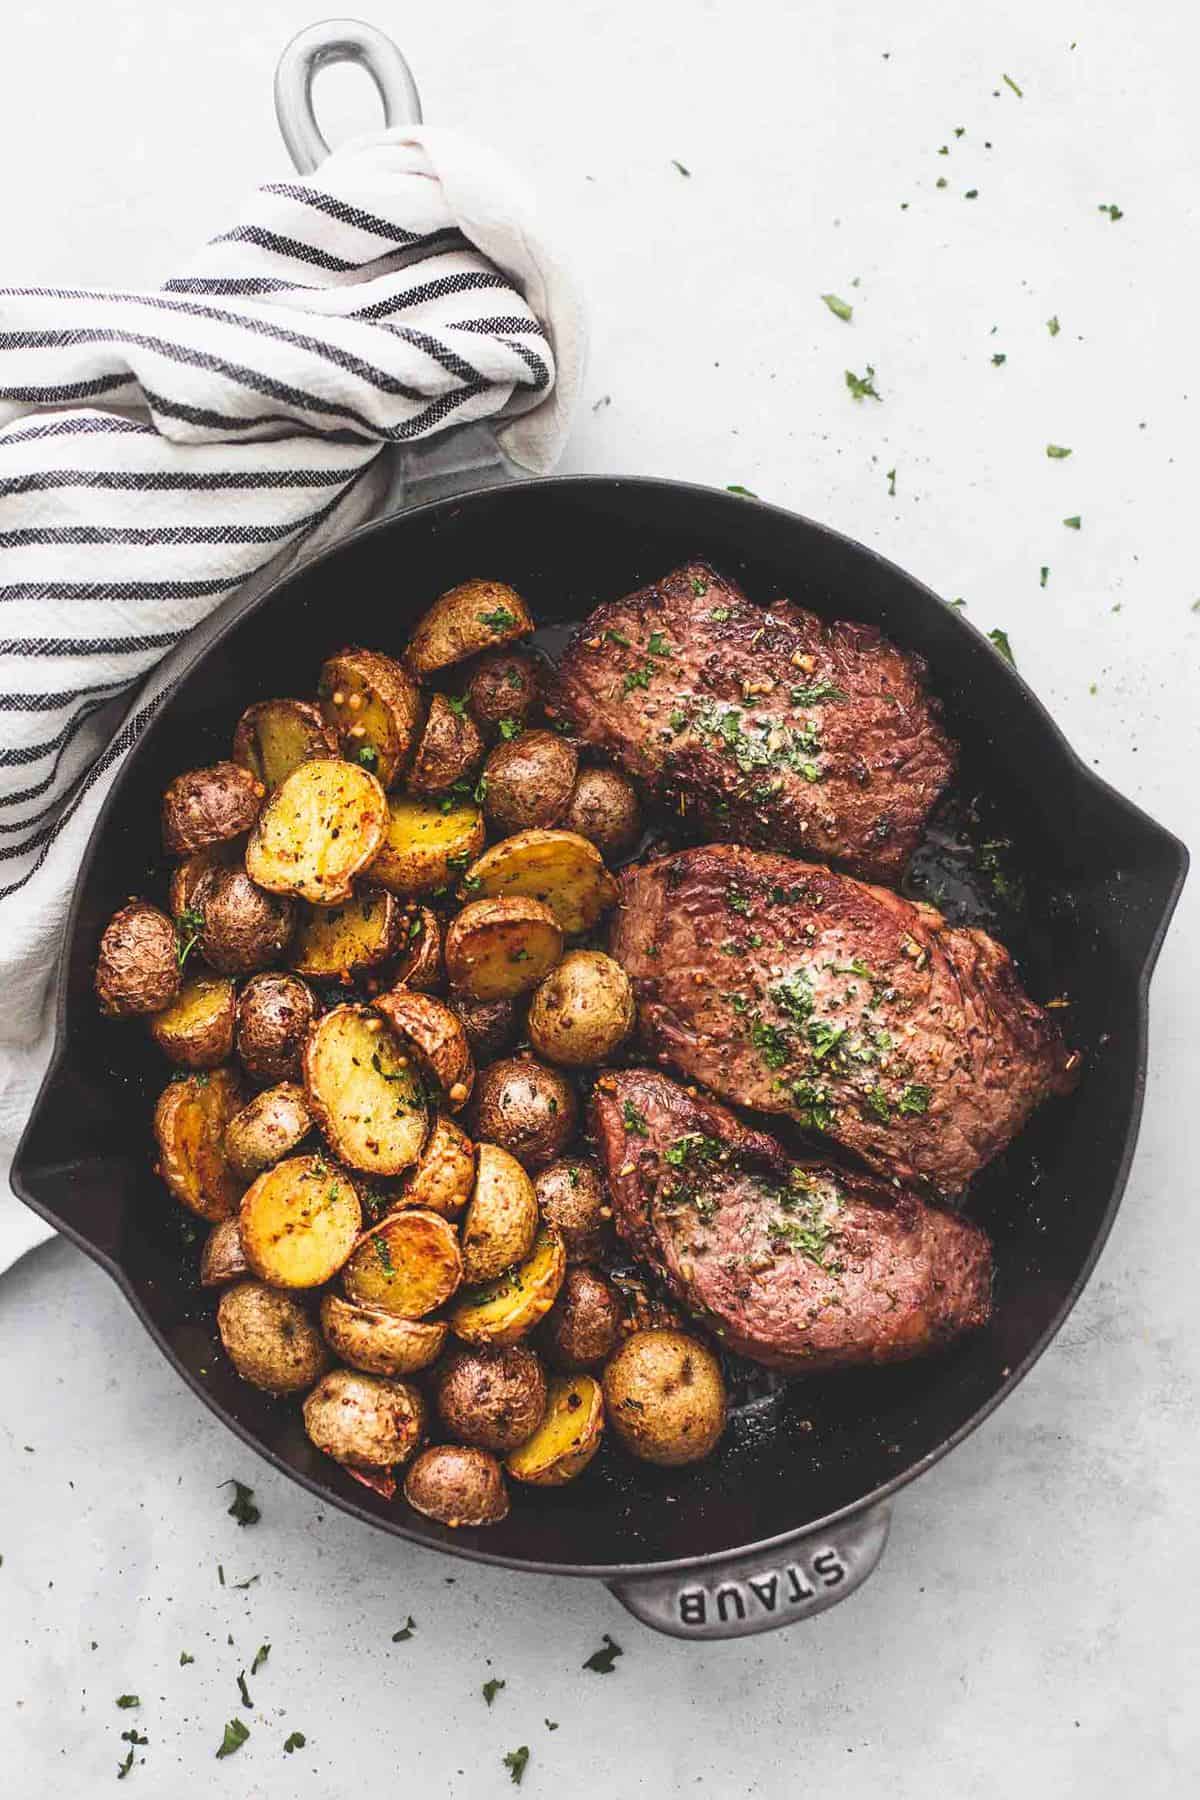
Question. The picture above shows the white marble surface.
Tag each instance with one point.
(1033, 1627)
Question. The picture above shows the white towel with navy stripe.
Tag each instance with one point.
(160, 450)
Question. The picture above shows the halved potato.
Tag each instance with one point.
(496, 949)
(196, 1030)
(368, 1338)
(344, 940)
(501, 1222)
(409, 1264)
(299, 1222)
(476, 615)
(374, 706)
(420, 965)
(275, 1123)
(209, 806)
(443, 1178)
(559, 868)
(567, 1438)
(448, 749)
(507, 1309)
(364, 1421)
(426, 845)
(318, 830)
(222, 1258)
(189, 1125)
(437, 1037)
(276, 736)
(365, 1091)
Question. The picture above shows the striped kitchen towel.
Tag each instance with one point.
(161, 450)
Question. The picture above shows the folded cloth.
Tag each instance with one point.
(162, 452)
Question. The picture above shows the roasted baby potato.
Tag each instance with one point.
(276, 736)
(275, 1123)
(189, 877)
(490, 1025)
(379, 1342)
(222, 1258)
(137, 968)
(665, 1397)
(299, 1222)
(529, 781)
(448, 749)
(501, 1221)
(375, 708)
(420, 955)
(559, 868)
(196, 1030)
(209, 806)
(241, 928)
(526, 1108)
(424, 846)
(364, 1091)
(365, 1421)
(475, 616)
(270, 1339)
(604, 809)
(457, 1486)
(506, 1310)
(496, 949)
(583, 1327)
(582, 1011)
(409, 1264)
(274, 1013)
(189, 1126)
(318, 831)
(567, 1438)
(434, 1032)
(491, 1398)
(571, 1197)
(502, 692)
(445, 1174)
(339, 941)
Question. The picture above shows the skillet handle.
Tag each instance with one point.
(332, 41)
(749, 1594)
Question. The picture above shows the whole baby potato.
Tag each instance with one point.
(582, 1011)
(665, 1398)
(457, 1485)
(209, 806)
(270, 1339)
(502, 691)
(527, 1108)
(137, 968)
(365, 1421)
(583, 1327)
(529, 781)
(604, 809)
(223, 1258)
(244, 928)
(491, 1398)
(490, 1025)
(270, 1127)
(571, 1196)
(274, 1013)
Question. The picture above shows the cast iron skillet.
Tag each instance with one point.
(792, 1514)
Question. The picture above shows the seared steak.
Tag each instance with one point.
(770, 727)
(788, 988)
(798, 1265)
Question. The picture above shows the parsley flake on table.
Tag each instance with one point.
(735, 487)
(491, 1688)
(1000, 639)
(1019, 92)
(841, 309)
(1074, 522)
(515, 1762)
(971, 194)
(125, 1701)
(1056, 452)
(405, 1632)
(1044, 575)
(244, 1691)
(236, 1734)
(941, 182)
(958, 603)
(891, 481)
(601, 1661)
(1114, 212)
(295, 1740)
(999, 357)
(682, 170)
(135, 1740)
(243, 1508)
(862, 385)
(550, 1724)
(260, 1657)
(185, 1657)
(1053, 326)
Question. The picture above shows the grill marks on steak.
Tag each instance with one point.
(798, 1265)
(767, 726)
(787, 988)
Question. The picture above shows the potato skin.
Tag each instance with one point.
(435, 1033)
(245, 928)
(190, 877)
(448, 748)
(457, 1485)
(189, 1127)
(530, 780)
(490, 1025)
(420, 962)
(196, 1030)
(604, 809)
(270, 1339)
(222, 1258)
(568, 1437)
(493, 1399)
(503, 685)
(571, 1196)
(137, 967)
(497, 949)
(445, 1173)
(477, 615)
(583, 1011)
(527, 1108)
(665, 1398)
(209, 806)
(273, 1125)
(365, 1421)
(378, 1342)
(583, 1327)
(274, 1013)
(274, 735)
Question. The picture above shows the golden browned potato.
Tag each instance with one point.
(477, 615)
(365, 1421)
(409, 1264)
(571, 1197)
(365, 1091)
(665, 1397)
(525, 1107)
(425, 845)
(645, 1309)
(420, 954)
(583, 1327)
(209, 806)
(604, 809)
(497, 949)
(502, 692)
(276, 736)
(368, 1338)
(299, 1222)
(490, 1025)
(189, 877)
(275, 1123)
(457, 1486)
(501, 1222)
(506, 1310)
(340, 941)
(222, 1258)
(491, 1398)
(196, 1030)
(375, 708)
(189, 1127)
(448, 749)
(434, 1034)
(241, 927)
(559, 868)
(318, 831)
(567, 1438)
(444, 1176)
(270, 1339)
(274, 1013)
(528, 781)
(582, 1011)
(137, 969)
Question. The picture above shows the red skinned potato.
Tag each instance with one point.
(502, 691)
(209, 806)
(457, 1485)
(436, 1034)
(274, 1012)
(529, 781)
(137, 968)
(448, 749)
(243, 928)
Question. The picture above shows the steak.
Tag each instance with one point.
(770, 727)
(798, 1265)
(788, 988)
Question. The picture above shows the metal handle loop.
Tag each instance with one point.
(334, 41)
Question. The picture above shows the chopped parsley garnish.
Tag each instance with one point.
(383, 1255)
(809, 1234)
(815, 693)
(775, 1045)
(515, 1762)
(510, 728)
(877, 1103)
(677, 720)
(243, 1508)
(457, 704)
(618, 637)
(244, 1691)
(1057, 452)
(699, 585)
(815, 1108)
(500, 619)
(914, 1099)
(1012, 84)
(735, 487)
(236, 1734)
(600, 1662)
(637, 678)
(736, 901)
(260, 1657)
(719, 615)
(794, 996)
(125, 1701)
(891, 481)
(367, 756)
(1114, 212)
(657, 645)
(1000, 639)
(491, 1688)
(692, 1147)
(999, 358)
(185, 1657)
(862, 385)
(1074, 522)
(824, 1038)
(675, 163)
(634, 1121)
(188, 927)
(295, 1740)
(405, 1632)
(134, 1739)
(1053, 326)
(839, 308)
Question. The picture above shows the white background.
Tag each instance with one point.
(1033, 1628)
